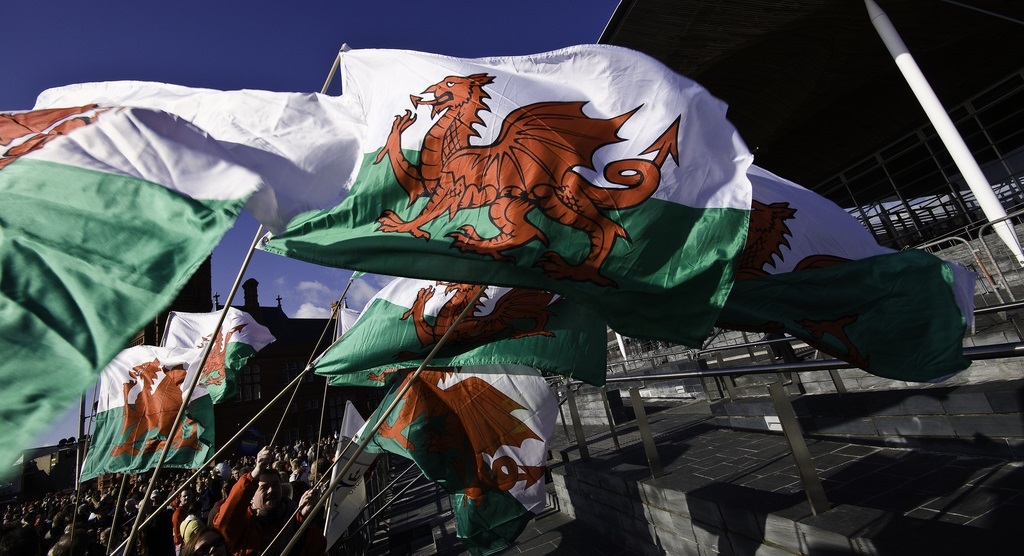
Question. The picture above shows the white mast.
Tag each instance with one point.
(965, 161)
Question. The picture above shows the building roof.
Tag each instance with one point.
(809, 83)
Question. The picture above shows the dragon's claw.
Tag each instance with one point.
(468, 244)
(389, 221)
(558, 268)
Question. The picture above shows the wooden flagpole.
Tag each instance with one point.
(323, 402)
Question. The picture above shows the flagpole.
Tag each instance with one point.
(940, 119)
(81, 451)
(295, 390)
(368, 435)
(327, 382)
(187, 397)
(334, 70)
(117, 511)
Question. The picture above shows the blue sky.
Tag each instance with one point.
(259, 44)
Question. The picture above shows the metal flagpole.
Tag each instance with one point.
(369, 434)
(295, 390)
(965, 161)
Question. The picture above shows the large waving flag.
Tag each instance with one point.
(592, 171)
(405, 320)
(810, 269)
(105, 214)
(481, 433)
(141, 392)
(239, 339)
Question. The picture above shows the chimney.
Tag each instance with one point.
(252, 296)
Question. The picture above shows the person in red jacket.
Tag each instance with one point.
(255, 510)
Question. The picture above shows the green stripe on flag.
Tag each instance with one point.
(892, 315)
(86, 260)
(108, 435)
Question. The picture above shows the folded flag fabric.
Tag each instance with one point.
(481, 433)
(140, 394)
(593, 171)
(106, 213)
(303, 146)
(239, 339)
(811, 270)
(406, 319)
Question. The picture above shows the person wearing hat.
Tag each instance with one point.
(189, 526)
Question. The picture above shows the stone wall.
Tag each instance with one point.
(983, 419)
(651, 517)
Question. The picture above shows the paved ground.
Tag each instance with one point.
(906, 501)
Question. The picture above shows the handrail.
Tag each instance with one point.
(694, 353)
(976, 353)
(1000, 308)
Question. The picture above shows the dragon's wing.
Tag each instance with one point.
(538, 143)
(486, 415)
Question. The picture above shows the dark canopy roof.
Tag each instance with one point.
(809, 83)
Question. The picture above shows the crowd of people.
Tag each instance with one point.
(234, 507)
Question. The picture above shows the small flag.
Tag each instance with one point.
(239, 339)
(140, 394)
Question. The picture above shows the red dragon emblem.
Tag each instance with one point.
(510, 310)
(837, 329)
(154, 410)
(474, 413)
(213, 372)
(38, 127)
(767, 234)
(530, 166)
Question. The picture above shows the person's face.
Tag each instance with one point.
(185, 497)
(210, 544)
(268, 493)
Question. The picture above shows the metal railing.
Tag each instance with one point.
(791, 428)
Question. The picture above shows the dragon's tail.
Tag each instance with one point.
(641, 177)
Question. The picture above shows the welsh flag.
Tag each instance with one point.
(141, 392)
(481, 433)
(239, 339)
(106, 213)
(810, 269)
(405, 320)
(594, 171)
